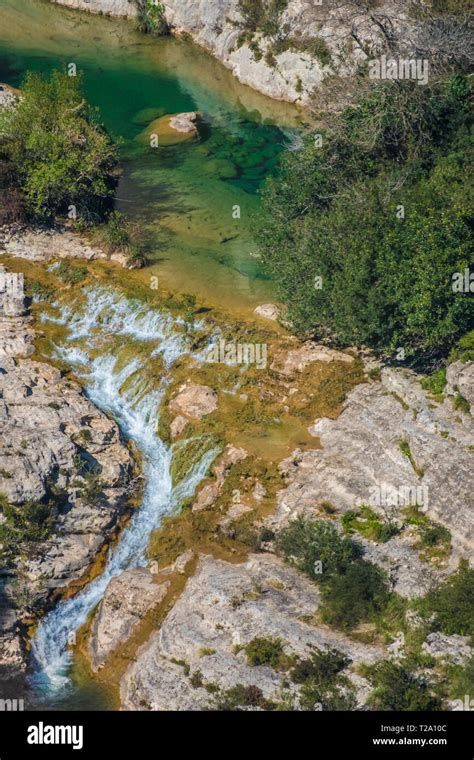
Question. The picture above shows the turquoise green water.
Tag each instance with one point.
(183, 198)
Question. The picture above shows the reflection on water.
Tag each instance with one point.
(183, 197)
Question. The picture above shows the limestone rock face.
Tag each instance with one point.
(289, 362)
(127, 600)
(45, 245)
(224, 605)
(294, 74)
(194, 400)
(362, 456)
(45, 424)
(454, 649)
(460, 379)
(16, 335)
(7, 96)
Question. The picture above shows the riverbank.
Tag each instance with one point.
(222, 536)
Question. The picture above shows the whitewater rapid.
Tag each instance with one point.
(108, 314)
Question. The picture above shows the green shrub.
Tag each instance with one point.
(332, 213)
(151, 17)
(323, 685)
(59, 154)
(435, 383)
(369, 524)
(265, 651)
(29, 523)
(322, 666)
(306, 542)
(464, 349)
(361, 594)
(398, 687)
(459, 402)
(114, 235)
(452, 603)
(239, 697)
(70, 274)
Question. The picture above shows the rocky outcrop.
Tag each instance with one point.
(59, 451)
(313, 41)
(125, 8)
(127, 600)
(16, 334)
(223, 607)
(194, 401)
(460, 379)
(171, 130)
(47, 244)
(7, 96)
(211, 491)
(392, 446)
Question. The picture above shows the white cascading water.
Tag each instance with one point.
(106, 314)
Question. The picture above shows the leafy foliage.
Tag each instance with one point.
(452, 602)
(29, 523)
(399, 687)
(151, 17)
(334, 213)
(353, 590)
(265, 651)
(57, 152)
(323, 684)
(308, 542)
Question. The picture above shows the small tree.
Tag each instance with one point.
(58, 153)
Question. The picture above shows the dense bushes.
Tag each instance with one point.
(323, 686)
(151, 17)
(57, 154)
(353, 590)
(398, 686)
(380, 213)
(452, 603)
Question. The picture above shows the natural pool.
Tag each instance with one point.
(181, 197)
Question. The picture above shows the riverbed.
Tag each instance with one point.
(182, 198)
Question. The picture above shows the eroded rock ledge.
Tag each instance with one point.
(222, 607)
(56, 448)
(340, 34)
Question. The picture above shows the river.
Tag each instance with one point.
(182, 197)
(182, 200)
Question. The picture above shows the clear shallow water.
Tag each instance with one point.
(121, 393)
(181, 197)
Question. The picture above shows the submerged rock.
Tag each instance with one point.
(171, 130)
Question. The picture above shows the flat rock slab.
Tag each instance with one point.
(224, 605)
(194, 400)
(127, 600)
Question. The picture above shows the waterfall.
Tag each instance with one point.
(105, 314)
